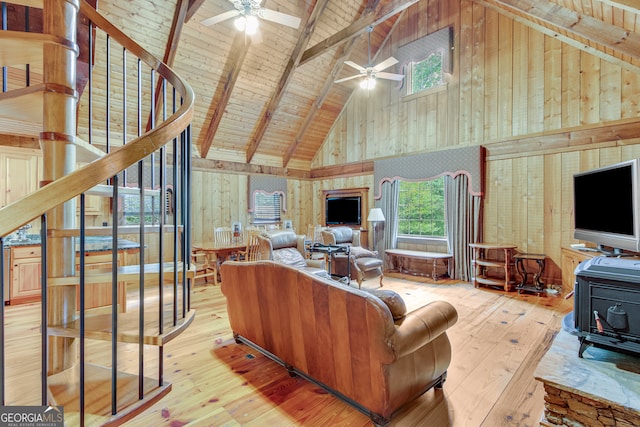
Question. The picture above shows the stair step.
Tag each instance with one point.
(128, 273)
(21, 48)
(64, 391)
(24, 104)
(106, 231)
(104, 190)
(31, 3)
(98, 327)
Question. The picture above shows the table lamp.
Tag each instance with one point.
(375, 216)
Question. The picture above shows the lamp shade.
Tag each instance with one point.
(375, 215)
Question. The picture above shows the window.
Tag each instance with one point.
(421, 209)
(425, 74)
(131, 209)
(267, 207)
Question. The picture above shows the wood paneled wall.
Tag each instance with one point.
(508, 81)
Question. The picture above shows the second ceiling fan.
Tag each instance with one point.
(372, 72)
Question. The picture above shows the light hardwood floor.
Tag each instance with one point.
(497, 343)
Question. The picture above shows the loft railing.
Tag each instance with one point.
(152, 167)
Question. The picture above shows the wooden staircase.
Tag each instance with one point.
(106, 393)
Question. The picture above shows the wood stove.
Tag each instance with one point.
(607, 304)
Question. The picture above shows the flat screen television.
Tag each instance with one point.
(342, 210)
(606, 206)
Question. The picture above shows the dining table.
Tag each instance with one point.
(218, 252)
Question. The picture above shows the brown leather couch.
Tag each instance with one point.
(365, 264)
(344, 338)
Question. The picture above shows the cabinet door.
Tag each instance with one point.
(20, 174)
(26, 280)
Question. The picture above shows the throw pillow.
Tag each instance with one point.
(392, 300)
(359, 252)
(289, 256)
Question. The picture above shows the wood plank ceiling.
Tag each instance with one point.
(271, 100)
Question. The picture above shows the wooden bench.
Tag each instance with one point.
(397, 257)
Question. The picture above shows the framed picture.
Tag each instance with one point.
(287, 224)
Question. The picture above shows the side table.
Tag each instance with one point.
(482, 263)
(330, 251)
(536, 285)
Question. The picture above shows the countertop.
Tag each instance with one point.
(92, 243)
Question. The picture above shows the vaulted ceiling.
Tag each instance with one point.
(271, 99)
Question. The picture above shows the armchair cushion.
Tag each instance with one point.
(289, 256)
(359, 252)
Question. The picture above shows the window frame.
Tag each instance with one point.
(416, 238)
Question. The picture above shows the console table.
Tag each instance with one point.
(482, 264)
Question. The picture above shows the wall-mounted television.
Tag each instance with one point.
(342, 210)
(606, 206)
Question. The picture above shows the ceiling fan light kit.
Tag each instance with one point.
(247, 13)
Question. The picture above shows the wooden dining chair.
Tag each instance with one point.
(223, 236)
(204, 267)
(252, 253)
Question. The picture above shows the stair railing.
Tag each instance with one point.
(154, 165)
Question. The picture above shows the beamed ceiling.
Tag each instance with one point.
(271, 100)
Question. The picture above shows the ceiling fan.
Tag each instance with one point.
(372, 72)
(248, 12)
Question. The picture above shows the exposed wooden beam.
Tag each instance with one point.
(528, 21)
(585, 26)
(194, 5)
(227, 82)
(171, 48)
(340, 171)
(629, 5)
(620, 132)
(317, 104)
(346, 51)
(223, 166)
(368, 18)
(294, 60)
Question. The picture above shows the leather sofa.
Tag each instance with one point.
(287, 247)
(343, 338)
(365, 264)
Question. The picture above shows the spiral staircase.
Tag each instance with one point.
(86, 354)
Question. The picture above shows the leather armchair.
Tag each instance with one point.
(287, 247)
(365, 264)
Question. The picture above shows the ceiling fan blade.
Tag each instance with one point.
(390, 76)
(356, 66)
(347, 78)
(279, 18)
(385, 64)
(219, 18)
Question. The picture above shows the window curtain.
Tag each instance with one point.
(388, 238)
(463, 216)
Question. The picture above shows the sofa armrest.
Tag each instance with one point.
(423, 325)
(316, 263)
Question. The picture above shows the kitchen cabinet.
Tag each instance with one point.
(25, 274)
(20, 171)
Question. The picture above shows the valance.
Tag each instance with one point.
(424, 166)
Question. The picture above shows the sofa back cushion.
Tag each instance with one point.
(289, 256)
